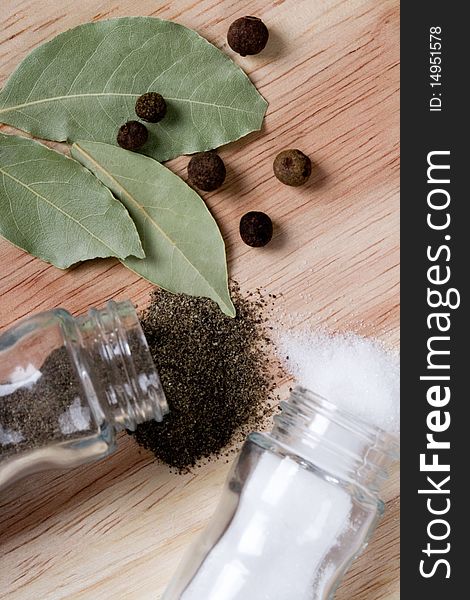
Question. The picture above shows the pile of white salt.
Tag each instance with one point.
(357, 374)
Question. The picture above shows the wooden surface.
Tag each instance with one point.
(117, 529)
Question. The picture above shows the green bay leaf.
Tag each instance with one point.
(83, 84)
(184, 249)
(56, 210)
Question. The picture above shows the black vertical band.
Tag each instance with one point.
(435, 270)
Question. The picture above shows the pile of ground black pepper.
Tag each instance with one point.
(31, 414)
(218, 374)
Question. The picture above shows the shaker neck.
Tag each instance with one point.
(116, 367)
(342, 445)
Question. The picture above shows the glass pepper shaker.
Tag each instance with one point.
(68, 385)
(299, 505)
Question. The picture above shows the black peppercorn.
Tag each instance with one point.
(292, 167)
(206, 170)
(256, 229)
(132, 135)
(247, 35)
(150, 107)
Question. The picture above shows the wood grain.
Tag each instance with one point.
(117, 529)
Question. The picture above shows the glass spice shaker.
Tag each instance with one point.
(68, 385)
(299, 505)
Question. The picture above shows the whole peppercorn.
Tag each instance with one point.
(206, 170)
(132, 135)
(247, 35)
(292, 167)
(150, 107)
(256, 229)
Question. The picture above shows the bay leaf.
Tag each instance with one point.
(184, 249)
(83, 84)
(55, 209)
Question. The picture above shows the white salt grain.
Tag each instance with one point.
(8, 436)
(355, 373)
(75, 418)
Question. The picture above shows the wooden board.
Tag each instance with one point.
(117, 529)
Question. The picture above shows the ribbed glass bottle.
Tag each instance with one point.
(68, 385)
(299, 505)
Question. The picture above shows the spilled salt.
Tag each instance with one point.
(356, 373)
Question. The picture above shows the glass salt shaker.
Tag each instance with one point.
(299, 505)
(68, 385)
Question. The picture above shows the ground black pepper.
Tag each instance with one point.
(35, 412)
(217, 373)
